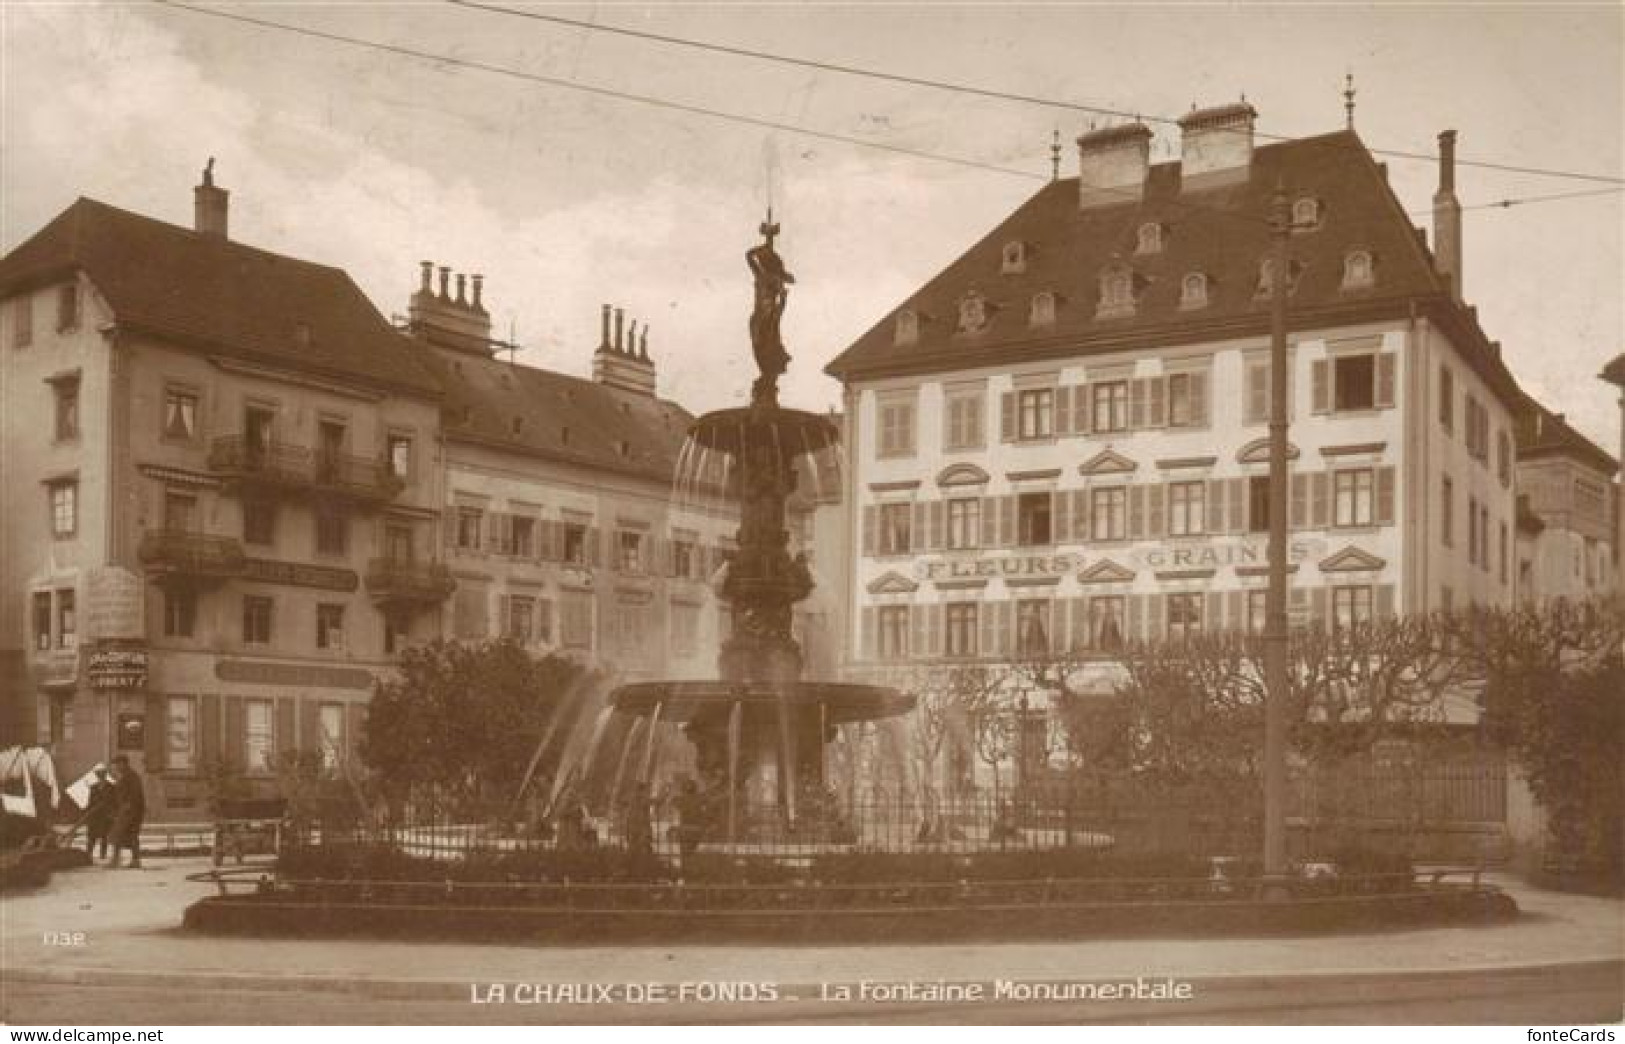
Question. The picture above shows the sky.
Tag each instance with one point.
(565, 200)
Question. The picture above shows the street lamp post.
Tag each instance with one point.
(1275, 620)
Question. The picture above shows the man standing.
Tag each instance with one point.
(131, 811)
(99, 808)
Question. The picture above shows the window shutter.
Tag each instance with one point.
(310, 721)
(1156, 520)
(234, 744)
(871, 528)
(1385, 380)
(1297, 607)
(988, 513)
(988, 624)
(1198, 393)
(1319, 500)
(1063, 410)
(1080, 516)
(157, 732)
(1007, 521)
(1082, 400)
(1214, 508)
(449, 525)
(933, 630)
(917, 638)
(1134, 622)
(285, 738)
(1157, 402)
(1318, 597)
(355, 725)
(1136, 512)
(1156, 624)
(1060, 635)
(1080, 623)
(1299, 519)
(1213, 612)
(1385, 497)
(1007, 626)
(916, 526)
(1136, 402)
(1007, 416)
(1238, 504)
(869, 640)
(1320, 386)
(506, 603)
(936, 511)
(493, 532)
(595, 547)
(1382, 601)
(1258, 393)
(1061, 517)
(208, 746)
(1235, 610)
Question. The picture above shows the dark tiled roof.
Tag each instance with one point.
(1542, 433)
(220, 296)
(1218, 230)
(484, 396)
(1614, 372)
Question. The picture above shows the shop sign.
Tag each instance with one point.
(256, 672)
(1009, 567)
(114, 599)
(116, 668)
(1223, 553)
(298, 574)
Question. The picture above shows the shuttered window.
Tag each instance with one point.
(1109, 402)
(1108, 510)
(1352, 494)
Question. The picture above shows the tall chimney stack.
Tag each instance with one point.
(209, 205)
(445, 282)
(603, 334)
(1447, 217)
(620, 317)
(478, 283)
(1112, 165)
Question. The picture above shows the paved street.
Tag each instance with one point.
(1558, 963)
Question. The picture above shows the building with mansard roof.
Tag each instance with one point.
(1059, 441)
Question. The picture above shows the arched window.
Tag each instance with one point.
(1358, 269)
(1305, 213)
(1043, 309)
(1015, 258)
(908, 327)
(1193, 290)
(1116, 293)
(1149, 240)
(972, 312)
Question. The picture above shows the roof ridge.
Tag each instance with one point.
(194, 234)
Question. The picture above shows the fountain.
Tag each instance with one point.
(759, 730)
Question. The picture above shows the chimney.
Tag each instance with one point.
(209, 205)
(624, 362)
(1216, 145)
(1447, 217)
(447, 322)
(462, 282)
(1112, 165)
(478, 282)
(445, 280)
(425, 285)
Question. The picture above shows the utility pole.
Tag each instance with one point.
(1276, 681)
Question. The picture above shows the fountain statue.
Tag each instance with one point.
(759, 731)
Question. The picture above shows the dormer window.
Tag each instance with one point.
(1042, 312)
(908, 327)
(1266, 277)
(973, 313)
(1149, 240)
(1193, 290)
(1359, 270)
(1014, 259)
(1306, 213)
(1117, 293)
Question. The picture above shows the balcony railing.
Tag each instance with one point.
(392, 581)
(179, 552)
(301, 469)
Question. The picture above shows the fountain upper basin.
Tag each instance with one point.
(680, 701)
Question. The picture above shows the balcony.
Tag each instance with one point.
(406, 584)
(183, 554)
(281, 466)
